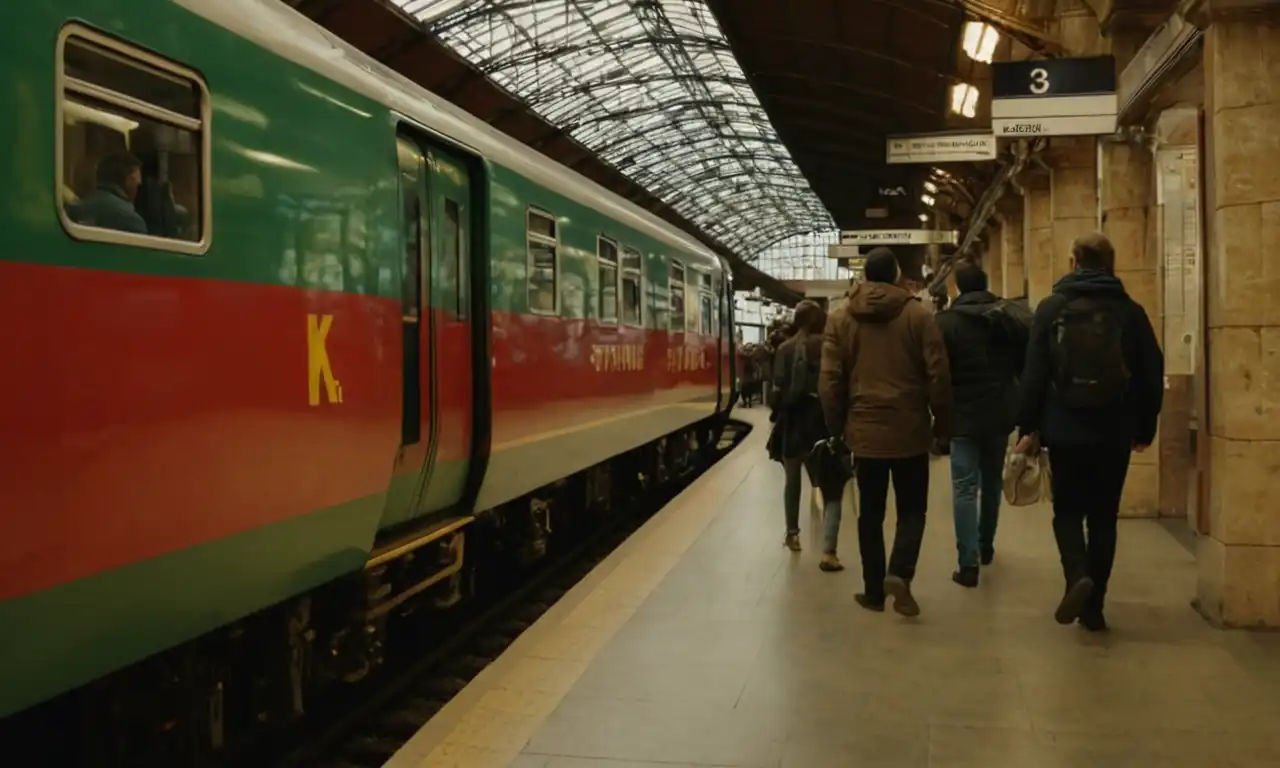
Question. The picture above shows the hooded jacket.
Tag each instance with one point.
(984, 367)
(1134, 418)
(884, 383)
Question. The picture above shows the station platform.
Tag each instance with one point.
(702, 641)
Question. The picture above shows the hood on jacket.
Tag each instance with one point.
(877, 302)
(1090, 282)
(974, 302)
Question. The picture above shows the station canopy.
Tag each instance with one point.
(652, 88)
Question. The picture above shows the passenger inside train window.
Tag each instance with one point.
(132, 143)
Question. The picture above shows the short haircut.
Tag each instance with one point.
(116, 167)
(1094, 251)
(881, 266)
(810, 317)
(970, 277)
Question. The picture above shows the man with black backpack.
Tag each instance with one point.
(1092, 391)
(986, 338)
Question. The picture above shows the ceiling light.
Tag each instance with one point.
(980, 41)
(924, 218)
(930, 187)
(927, 199)
(964, 99)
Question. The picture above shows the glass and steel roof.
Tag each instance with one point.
(652, 88)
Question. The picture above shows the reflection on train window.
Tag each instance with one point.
(607, 281)
(631, 288)
(455, 256)
(544, 266)
(705, 316)
(132, 146)
(675, 288)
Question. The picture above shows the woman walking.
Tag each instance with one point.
(799, 426)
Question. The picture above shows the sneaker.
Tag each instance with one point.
(903, 602)
(1073, 601)
(1094, 622)
(830, 563)
(988, 554)
(967, 576)
(792, 542)
(870, 603)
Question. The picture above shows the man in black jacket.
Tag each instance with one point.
(987, 349)
(1092, 390)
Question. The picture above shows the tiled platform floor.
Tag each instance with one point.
(703, 642)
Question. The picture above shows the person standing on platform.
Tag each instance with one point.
(986, 340)
(885, 388)
(799, 425)
(1092, 388)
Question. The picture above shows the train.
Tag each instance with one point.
(287, 334)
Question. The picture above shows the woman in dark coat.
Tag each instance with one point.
(799, 425)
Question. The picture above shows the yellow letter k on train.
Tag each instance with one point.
(318, 367)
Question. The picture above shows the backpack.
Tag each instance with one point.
(1089, 361)
(804, 379)
(1009, 321)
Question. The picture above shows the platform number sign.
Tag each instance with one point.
(1054, 97)
(1039, 81)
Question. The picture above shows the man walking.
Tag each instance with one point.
(986, 340)
(884, 369)
(1093, 387)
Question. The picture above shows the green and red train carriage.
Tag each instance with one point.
(380, 325)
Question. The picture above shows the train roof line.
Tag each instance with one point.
(286, 32)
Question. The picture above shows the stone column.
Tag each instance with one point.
(1037, 241)
(1239, 582)
(993, 259)
(1013, 272)
(1127, 191)
(1073, 196)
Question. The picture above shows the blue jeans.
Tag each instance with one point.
(832, 509)
(977, 467)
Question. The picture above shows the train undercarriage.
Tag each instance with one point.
(213, 699)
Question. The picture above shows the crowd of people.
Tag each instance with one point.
(867, 391)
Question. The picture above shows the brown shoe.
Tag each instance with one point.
(792, 542)
(830, 563)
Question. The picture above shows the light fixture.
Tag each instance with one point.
(930, 187)
(980, 41)
(964, 99)
(924, 218)
(927, 200)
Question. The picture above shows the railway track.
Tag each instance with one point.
(380, 715)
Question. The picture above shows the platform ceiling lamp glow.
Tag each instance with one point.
(980, 41)
(924, 218)
(930, 187)
(927, 199)
(964, 99)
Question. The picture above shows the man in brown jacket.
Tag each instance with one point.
(885, 385)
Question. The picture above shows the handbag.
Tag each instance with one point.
(1027, 478)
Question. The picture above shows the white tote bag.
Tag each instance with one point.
(1027, 478)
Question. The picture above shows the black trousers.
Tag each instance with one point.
(911, 488)
(1087, 481)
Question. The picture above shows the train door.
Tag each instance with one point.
(451, 216)
(418, 405)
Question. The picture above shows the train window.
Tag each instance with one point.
(607, 280)
(454, 248)
(544, 263)
(705, 315)
(675, 288)
(133, 153)
(632, 302)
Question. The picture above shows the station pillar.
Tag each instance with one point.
(1239, 578)
(1037, 240)
(1013, 273)
(993, 259)
(1126, 196)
